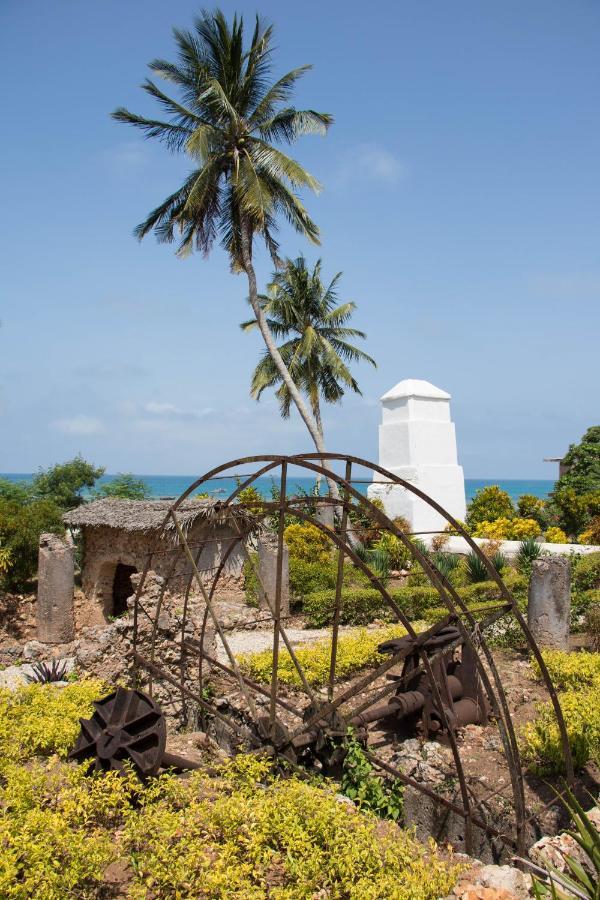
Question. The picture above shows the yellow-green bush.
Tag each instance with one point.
(556, 535)
(41, 719)
(541, 744)
(216, 836)
(288, 840)
(356, 650)
(571, 671)
(307, 542)
(577, 677)
(586, 572)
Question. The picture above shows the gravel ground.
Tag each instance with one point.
(255, 641)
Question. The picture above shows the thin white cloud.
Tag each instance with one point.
(369, 162)
(171, 411)
(80, 424)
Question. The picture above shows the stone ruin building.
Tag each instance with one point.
(120, 536)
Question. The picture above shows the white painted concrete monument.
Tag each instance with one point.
(417, 442)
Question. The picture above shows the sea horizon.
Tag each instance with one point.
(168, 486)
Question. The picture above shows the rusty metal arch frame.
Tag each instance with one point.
(315, 463)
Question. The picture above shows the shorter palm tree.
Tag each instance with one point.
(317, 351)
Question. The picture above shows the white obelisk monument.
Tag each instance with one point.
(417, 442)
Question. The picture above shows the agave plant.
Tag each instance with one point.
(499, 561)
(476, 568)
(578, 880)
(529, 550)
(45, 673)
(444, 562)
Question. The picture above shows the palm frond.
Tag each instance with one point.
(174, 136)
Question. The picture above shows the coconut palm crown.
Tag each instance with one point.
(306, 314)
(226, 117)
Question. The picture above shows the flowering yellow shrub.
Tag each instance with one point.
(556, 535)
(356, 650)
(508, 529)
(524, 528)
(498, 530)
(307, 542)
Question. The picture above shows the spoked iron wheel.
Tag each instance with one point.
(126, 726)
(442, 678)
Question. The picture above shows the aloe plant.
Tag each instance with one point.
(578, 880)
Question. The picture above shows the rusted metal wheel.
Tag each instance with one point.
(126, 726)
(446, 677)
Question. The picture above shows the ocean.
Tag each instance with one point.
(174, 485)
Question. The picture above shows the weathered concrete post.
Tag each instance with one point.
(56, 568)
(267, 573)
(549, 607)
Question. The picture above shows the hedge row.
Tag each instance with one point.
(360, 606)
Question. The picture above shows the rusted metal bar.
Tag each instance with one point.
(277, 611)
(339, 582)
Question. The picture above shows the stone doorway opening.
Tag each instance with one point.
(122, 588)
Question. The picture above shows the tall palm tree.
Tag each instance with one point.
(226, 118)
(305, 313)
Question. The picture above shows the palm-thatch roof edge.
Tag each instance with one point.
(149, 515)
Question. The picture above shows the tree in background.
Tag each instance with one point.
(65, 483)
(306, 315)
(124, 486)
(20, 527)
(227, 118)
(582, 463)
(488, 504)
(575, 500)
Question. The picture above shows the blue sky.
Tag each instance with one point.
(461, 201)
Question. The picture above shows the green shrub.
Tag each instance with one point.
(359, 606)
(478, 610)
(369, 791)
(65, 483)
(531, 507)
(580, 604)
(307, 542)
(399, 555)
(586, 572)
(20, 529)
(488, 504)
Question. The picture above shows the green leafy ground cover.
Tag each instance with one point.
(238, 832)
(577, 677)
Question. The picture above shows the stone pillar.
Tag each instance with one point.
(56, 567)
(549, 607)
(267, 573)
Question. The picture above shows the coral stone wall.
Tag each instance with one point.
(106, 547)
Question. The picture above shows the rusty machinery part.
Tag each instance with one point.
(126, 726)
(440, 679)
(458, 682)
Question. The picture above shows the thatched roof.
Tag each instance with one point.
(149, 515)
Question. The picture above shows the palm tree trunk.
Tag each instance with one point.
(316, 408)
(271, 346)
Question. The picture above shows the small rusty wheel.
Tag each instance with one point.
(126, 725)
